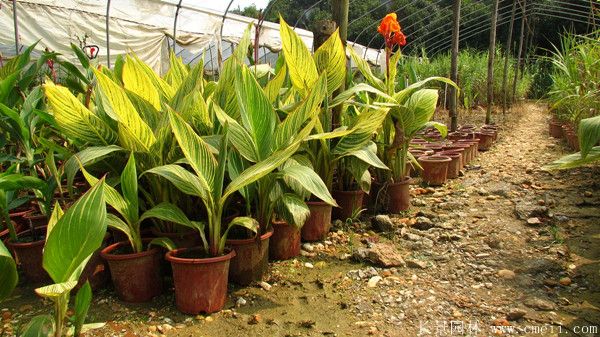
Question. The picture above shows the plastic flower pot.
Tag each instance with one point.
(348, 202)
(318, 223)
(200, 283)
(285, 242)
(399, 196)
(28, 252)
(555, 129)
(455, 164)
(435, 169)
(486, 139)
(136, 276)
(251, 259)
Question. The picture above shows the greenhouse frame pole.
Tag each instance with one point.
(108, 33)
(508, 45)
(454, 65)
(16, 23)
(175, 24)
(339, 13)
(491, 54)
(520, 52)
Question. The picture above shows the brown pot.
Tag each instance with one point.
(136, 276)
(251, 259)
(285, 242)
(457, 135)
(463, 149)
(318, 223)
(185, 239)
(200, 283)
(473, 145)
(486, 139)
(455, 164)
(348, 202)
(399, 196)
(29, 256)
(565, 128)
(37, 220)
(435, 169)
(573, 140)
(555, 129)
(96, 270)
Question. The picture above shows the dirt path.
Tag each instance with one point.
(470, 263)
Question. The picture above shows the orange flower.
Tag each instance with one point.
(391, 31)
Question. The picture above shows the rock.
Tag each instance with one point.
(423, 223)
(587, 194)
(25, 308)
(373, 281)
(550, 283)
(164, 328)
(539, 304)
(308, 247)
(209, 319)
(534, 221)
(506, 274)
(382, 223)
(308, 324)
(565, 281)
(416, 264)
(381, 254)
(516, 314)
(266, 286)
(309, 265)
(152, 328)
(255, 319)
(240, 302)
(526, 209)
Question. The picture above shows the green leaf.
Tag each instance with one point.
(365, 70)
(133, 236)
(166, 243)
(134, 133)
(310, 180)
(589, 134)
(86, 157)
(417, 111)
(345, 95)
(129, 188)
(331, 59)
(301, 66)
(240, 138)
(8, 277)
(57, 213)
(17, 181)
(76, 236)
(274, 86)
(185, 181)
(83, 299)
(368, 154)
(56, 290)
(39, 326)
(257, 114)
(75, 119)
(293, 210)
(241, 221)
(170, 213)
(574, 160)
(136, 80)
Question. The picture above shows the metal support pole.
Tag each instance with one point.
(108, 33)
(491, 54)
(16, 22)
(520, 52)
(454, 65)
(175, 24)
(339, 13)
(508, 44)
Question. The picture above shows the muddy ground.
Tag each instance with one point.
(507, 249)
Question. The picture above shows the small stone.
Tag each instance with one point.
(380, 254)
(534, 221)
(320, 264)
(539, 304)
(516, 314)
(164, 328)
(386, 273)
(309, 323)
(587, 194)
(309, 265)
(373, 330)
(565, 281)
(319, 246)
(240, 302)
(550, 283)
(506, 274)
(209, 319)
(457, 314)
(423, 223)
(255, 319)
(416, 264)
(308, 247)
(266, 286)
(373, 281)
(541, 202)
(382, 223)
(500, 322)
(152, 328)
(25, 308)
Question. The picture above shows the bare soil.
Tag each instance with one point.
(474, 265)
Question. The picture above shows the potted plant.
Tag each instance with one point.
(134, 264)
(411, 110)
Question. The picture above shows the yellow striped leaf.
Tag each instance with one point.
(301, 66)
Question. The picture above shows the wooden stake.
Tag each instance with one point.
(454, 65)
(491, 54)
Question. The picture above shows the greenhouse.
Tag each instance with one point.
(300, 168)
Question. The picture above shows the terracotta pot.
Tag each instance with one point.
(473, 144)
(136, 276)
(435, 169)
(573, 140)
(486, 139)
(185, 239)
(285, 242)
(5, 233)
(35, 219)
(565, 129)
(318, 224)
(434, 147)
(555, 129)
(457, 135)
(200, 283)
(463, 149)
(18, 216)
(29, 255)
(399, 196)
(251, 259)
(455, 164)
(96, 270)
(348, 202)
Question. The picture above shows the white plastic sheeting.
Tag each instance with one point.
(142, 26)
